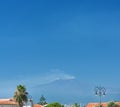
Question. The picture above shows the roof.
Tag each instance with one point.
(97, 104)
(7, 102)
(37, 105)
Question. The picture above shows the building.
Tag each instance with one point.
(105, 104)
(8, 103)
(96, 104)
(11, 103)
(37, 105)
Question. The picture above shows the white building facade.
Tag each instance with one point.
(8, 103)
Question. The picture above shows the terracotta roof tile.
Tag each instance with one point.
(7, 102)
(97, 104)
(37, 105)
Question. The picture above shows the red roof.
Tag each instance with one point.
(7, 102)
(37, 105)
(97, 104)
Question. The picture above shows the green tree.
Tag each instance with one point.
(20, 95)
(42, 100)
(112, 104)
(54, 104)
(75, 105)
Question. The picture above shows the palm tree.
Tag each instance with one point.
(20, 95)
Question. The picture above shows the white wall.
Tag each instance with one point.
(8, 105)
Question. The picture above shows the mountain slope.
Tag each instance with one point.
(69, 91)
(63, 90)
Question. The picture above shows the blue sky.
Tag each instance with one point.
(44, 43)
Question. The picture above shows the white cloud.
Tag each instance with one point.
(46, 78)
(60, 75)
(49, 77)
(9, 86)
(37, 79)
